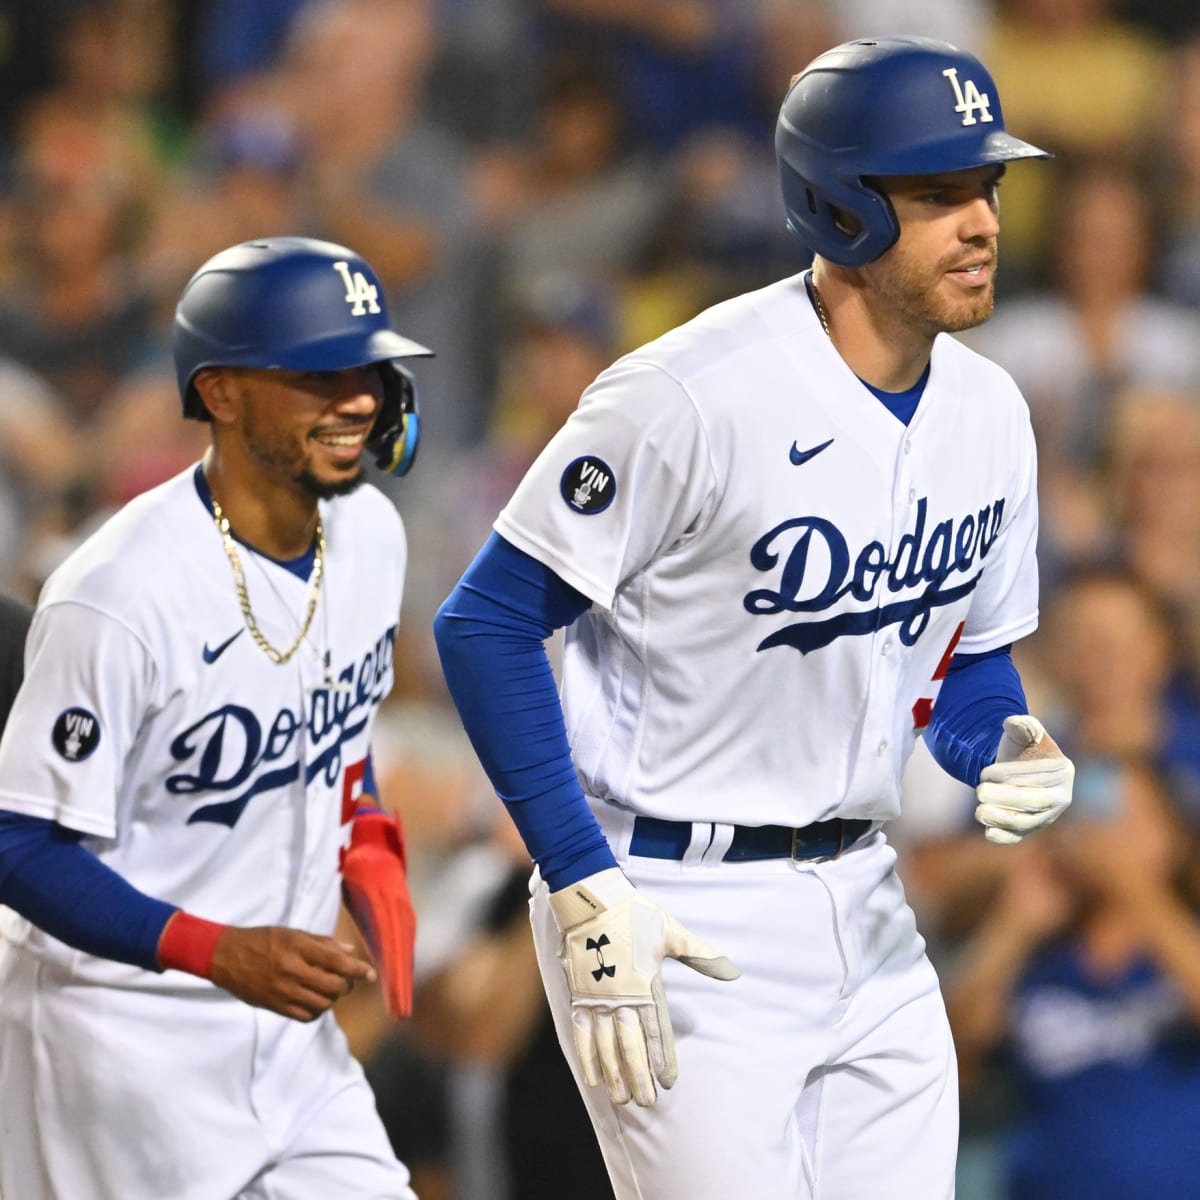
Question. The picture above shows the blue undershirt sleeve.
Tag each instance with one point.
(369, 801)
(491, 633)
(980, 690)
(64, 889)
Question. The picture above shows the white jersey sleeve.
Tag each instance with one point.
(1004, 607)
(58, 759)
(639, 480)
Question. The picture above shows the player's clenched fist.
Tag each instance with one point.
(613, 943)
(293, 973)
(1028, 785)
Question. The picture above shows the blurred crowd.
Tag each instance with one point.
(543, 185)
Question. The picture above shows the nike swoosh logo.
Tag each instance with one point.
(799, 456)
(211, 656)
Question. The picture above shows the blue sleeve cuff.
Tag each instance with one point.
(980, 690)
(491, 632)
(63, 889)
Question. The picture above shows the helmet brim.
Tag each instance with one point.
(329, 354)
(348, 350)
(937, 158)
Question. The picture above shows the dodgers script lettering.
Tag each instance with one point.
(952, 547)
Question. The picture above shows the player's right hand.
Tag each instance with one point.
(293, 973)
(613, 944)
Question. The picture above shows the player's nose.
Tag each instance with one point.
(359, 392)
(981, 218)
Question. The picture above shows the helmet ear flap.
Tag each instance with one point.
(847, 224)
(397, 430)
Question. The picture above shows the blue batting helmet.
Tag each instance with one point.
(886, 106)
(298, 304)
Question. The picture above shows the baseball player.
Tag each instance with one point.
(186, 784)
(776, 536)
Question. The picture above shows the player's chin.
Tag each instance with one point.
(965, 312)
(325, 484)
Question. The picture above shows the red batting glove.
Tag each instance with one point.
(375, 889)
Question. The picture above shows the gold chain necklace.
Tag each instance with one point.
(239, 583)
(819, 305)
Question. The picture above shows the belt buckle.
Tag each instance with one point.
(795, 855)
(841, 845)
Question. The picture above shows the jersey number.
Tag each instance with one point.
(352, 788)
(923, 709)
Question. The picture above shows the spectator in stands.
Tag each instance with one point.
(1153, 483)
(1086, 972)
(43, 460)
(380, 176)
(590, 200)
(1074, 346)
(72, 308)
(1179, 176)
(1080, 78)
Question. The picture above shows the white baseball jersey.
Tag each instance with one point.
(779, 568)
(212, 778)
(203, 773)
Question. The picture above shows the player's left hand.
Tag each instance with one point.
(1028, 786)
(614, 941)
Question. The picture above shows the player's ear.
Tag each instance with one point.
(848, 223)
(214, 387)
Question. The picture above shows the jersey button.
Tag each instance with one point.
(883, 747)
(908, 447)
(912, 495)
(886, 648)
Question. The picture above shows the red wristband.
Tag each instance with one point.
(189, 943)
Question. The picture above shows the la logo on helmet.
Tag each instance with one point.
(969, 98)
(363, 297)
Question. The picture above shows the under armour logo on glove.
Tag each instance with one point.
(622, 1029)
(603, 968)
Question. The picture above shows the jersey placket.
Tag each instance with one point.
(877, 754)
(307, 668)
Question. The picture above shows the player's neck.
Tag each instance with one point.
(279, 520)
(876, 344)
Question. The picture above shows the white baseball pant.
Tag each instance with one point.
(826, 1072)
(120, 1095)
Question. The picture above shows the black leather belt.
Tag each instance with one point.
(656, 838)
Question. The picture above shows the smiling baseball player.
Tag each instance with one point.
(783, 539)
(185, 780)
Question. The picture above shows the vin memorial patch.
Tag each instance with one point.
(588, 485)
(76, 734)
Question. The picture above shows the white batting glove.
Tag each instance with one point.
(613, 944)
(1028, 785)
